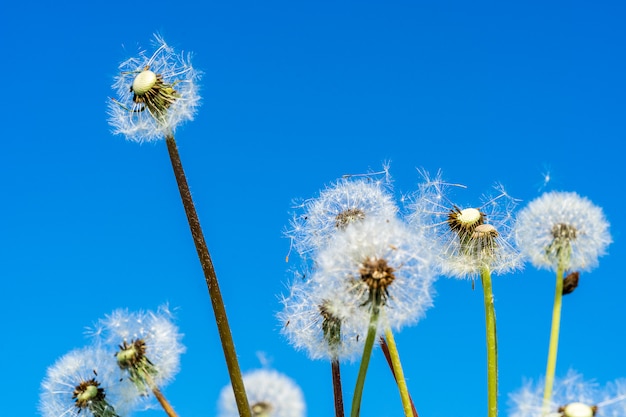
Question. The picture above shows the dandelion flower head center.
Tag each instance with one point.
(485, 231)
(150, 90)
(261, 409)
(343, 219)
(87, 392)
(378, 276)
(464, 221)
(143, 82)
(131, 354)
(578, 410)
(562, 231)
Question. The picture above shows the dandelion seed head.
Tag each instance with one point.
(347, 201)
(562, 227)
(577, 409)
(154, 94)
(143, 82)
(149, 344)
(85, 382)
(310, 322)
(466, 218)
(467, 239)
(270, 394)
(378, 262)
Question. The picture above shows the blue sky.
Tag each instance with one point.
(296, 94)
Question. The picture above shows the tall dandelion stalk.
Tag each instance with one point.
(472, 242)
(394, 365)
(398, 373)
(553, 347)
(154, 95)
(478, 245)
(365, 360)
(492, 343)
(561, 231)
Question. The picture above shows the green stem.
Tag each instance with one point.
(554, 340)
(385, 348)
(492, 344)
(211, 280)
(365, 360)
(398, 373)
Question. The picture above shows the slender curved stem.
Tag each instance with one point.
(337, 388)
(554, 340)
(221, 318)
(492, 344)
(398, 374)
(167, 407)
(365, 359)
(385, 348)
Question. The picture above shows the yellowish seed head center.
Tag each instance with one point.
(469, 216)
(90, 392)
(143, 82)
(577, 410)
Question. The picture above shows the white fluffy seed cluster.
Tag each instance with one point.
(573, 396)
(134, 119)
(95, 366)
(357, 218)
(268, 391)
(354, 223)
(466, 253)
(162, 339)
(586, 241)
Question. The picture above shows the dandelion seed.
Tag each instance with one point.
(154, 94)
(546, 178)
(562, 229)
(85, 382)
(270, 394)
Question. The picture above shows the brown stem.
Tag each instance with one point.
(383, 345)
(337, 388)
(169, 410)
(211, 281)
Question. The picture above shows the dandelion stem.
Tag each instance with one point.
(219, 310)
(385, 348)
(554, 340)
(492, 344)
(398, 374)
(337, 388)
(167, 407)
(365, 359)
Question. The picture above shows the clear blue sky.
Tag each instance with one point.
(295, 94)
